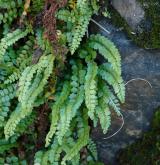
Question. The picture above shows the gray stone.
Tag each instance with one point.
(141, 20)
(141, 99)
(130, 10)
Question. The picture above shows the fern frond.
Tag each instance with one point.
(91, 89)
(114, 104)
(81, 142)
(70, 142)
(65, 15)
(81, 4)
(12, 78)
(6, 145)
(107, 49)
(41, 69)
(77, 21)
(107, 73)
(5, 96)
(10, 39)
(38, 157)
(92, 148)
(80, 29)
(70, 112)
(109, 98)
(55, 111)
(55, 152)
(12, 123)
(23, 53)
(7, 93)
(104, 116)
(76, 98)
(4, 109)
(32, 90)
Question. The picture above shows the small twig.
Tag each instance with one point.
(26, 7)
(87, 33)
(135, 79)
(123, 122)
(103, 28)
(25, 11)
(118, 129)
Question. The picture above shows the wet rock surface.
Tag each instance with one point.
(141, 99)
(140, 19)
(130, 10)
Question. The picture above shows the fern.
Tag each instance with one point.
(107, 49)
(23, 53)
(81, 142)
(90, 89)
(65, 15)
(5, 96)
(80, 29)
(55, 111)
(5, 146)
(70, 112)
(107, 73)
(114, 104)
(10, 39)
(43, 85)
(28, 93)
(93, 149)
(104, 116)
(75, 101)
(79, 19)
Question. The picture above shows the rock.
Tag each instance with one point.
(140, 19)
(130, 10)
(146, 150)
(141, 99)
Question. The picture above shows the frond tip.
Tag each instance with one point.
(10, 39)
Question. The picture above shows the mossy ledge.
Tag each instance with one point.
(147, 34)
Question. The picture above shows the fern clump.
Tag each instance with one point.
(78, 27)
(53, 89)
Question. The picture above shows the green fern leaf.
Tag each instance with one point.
(107, 73)
(93, 149)
(81, 142)
(10, 39)
(91, 89)
(107, 49)
(55, 111)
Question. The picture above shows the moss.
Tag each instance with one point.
(147, 150)
(147, 34)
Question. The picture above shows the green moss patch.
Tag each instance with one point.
(147, 34)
